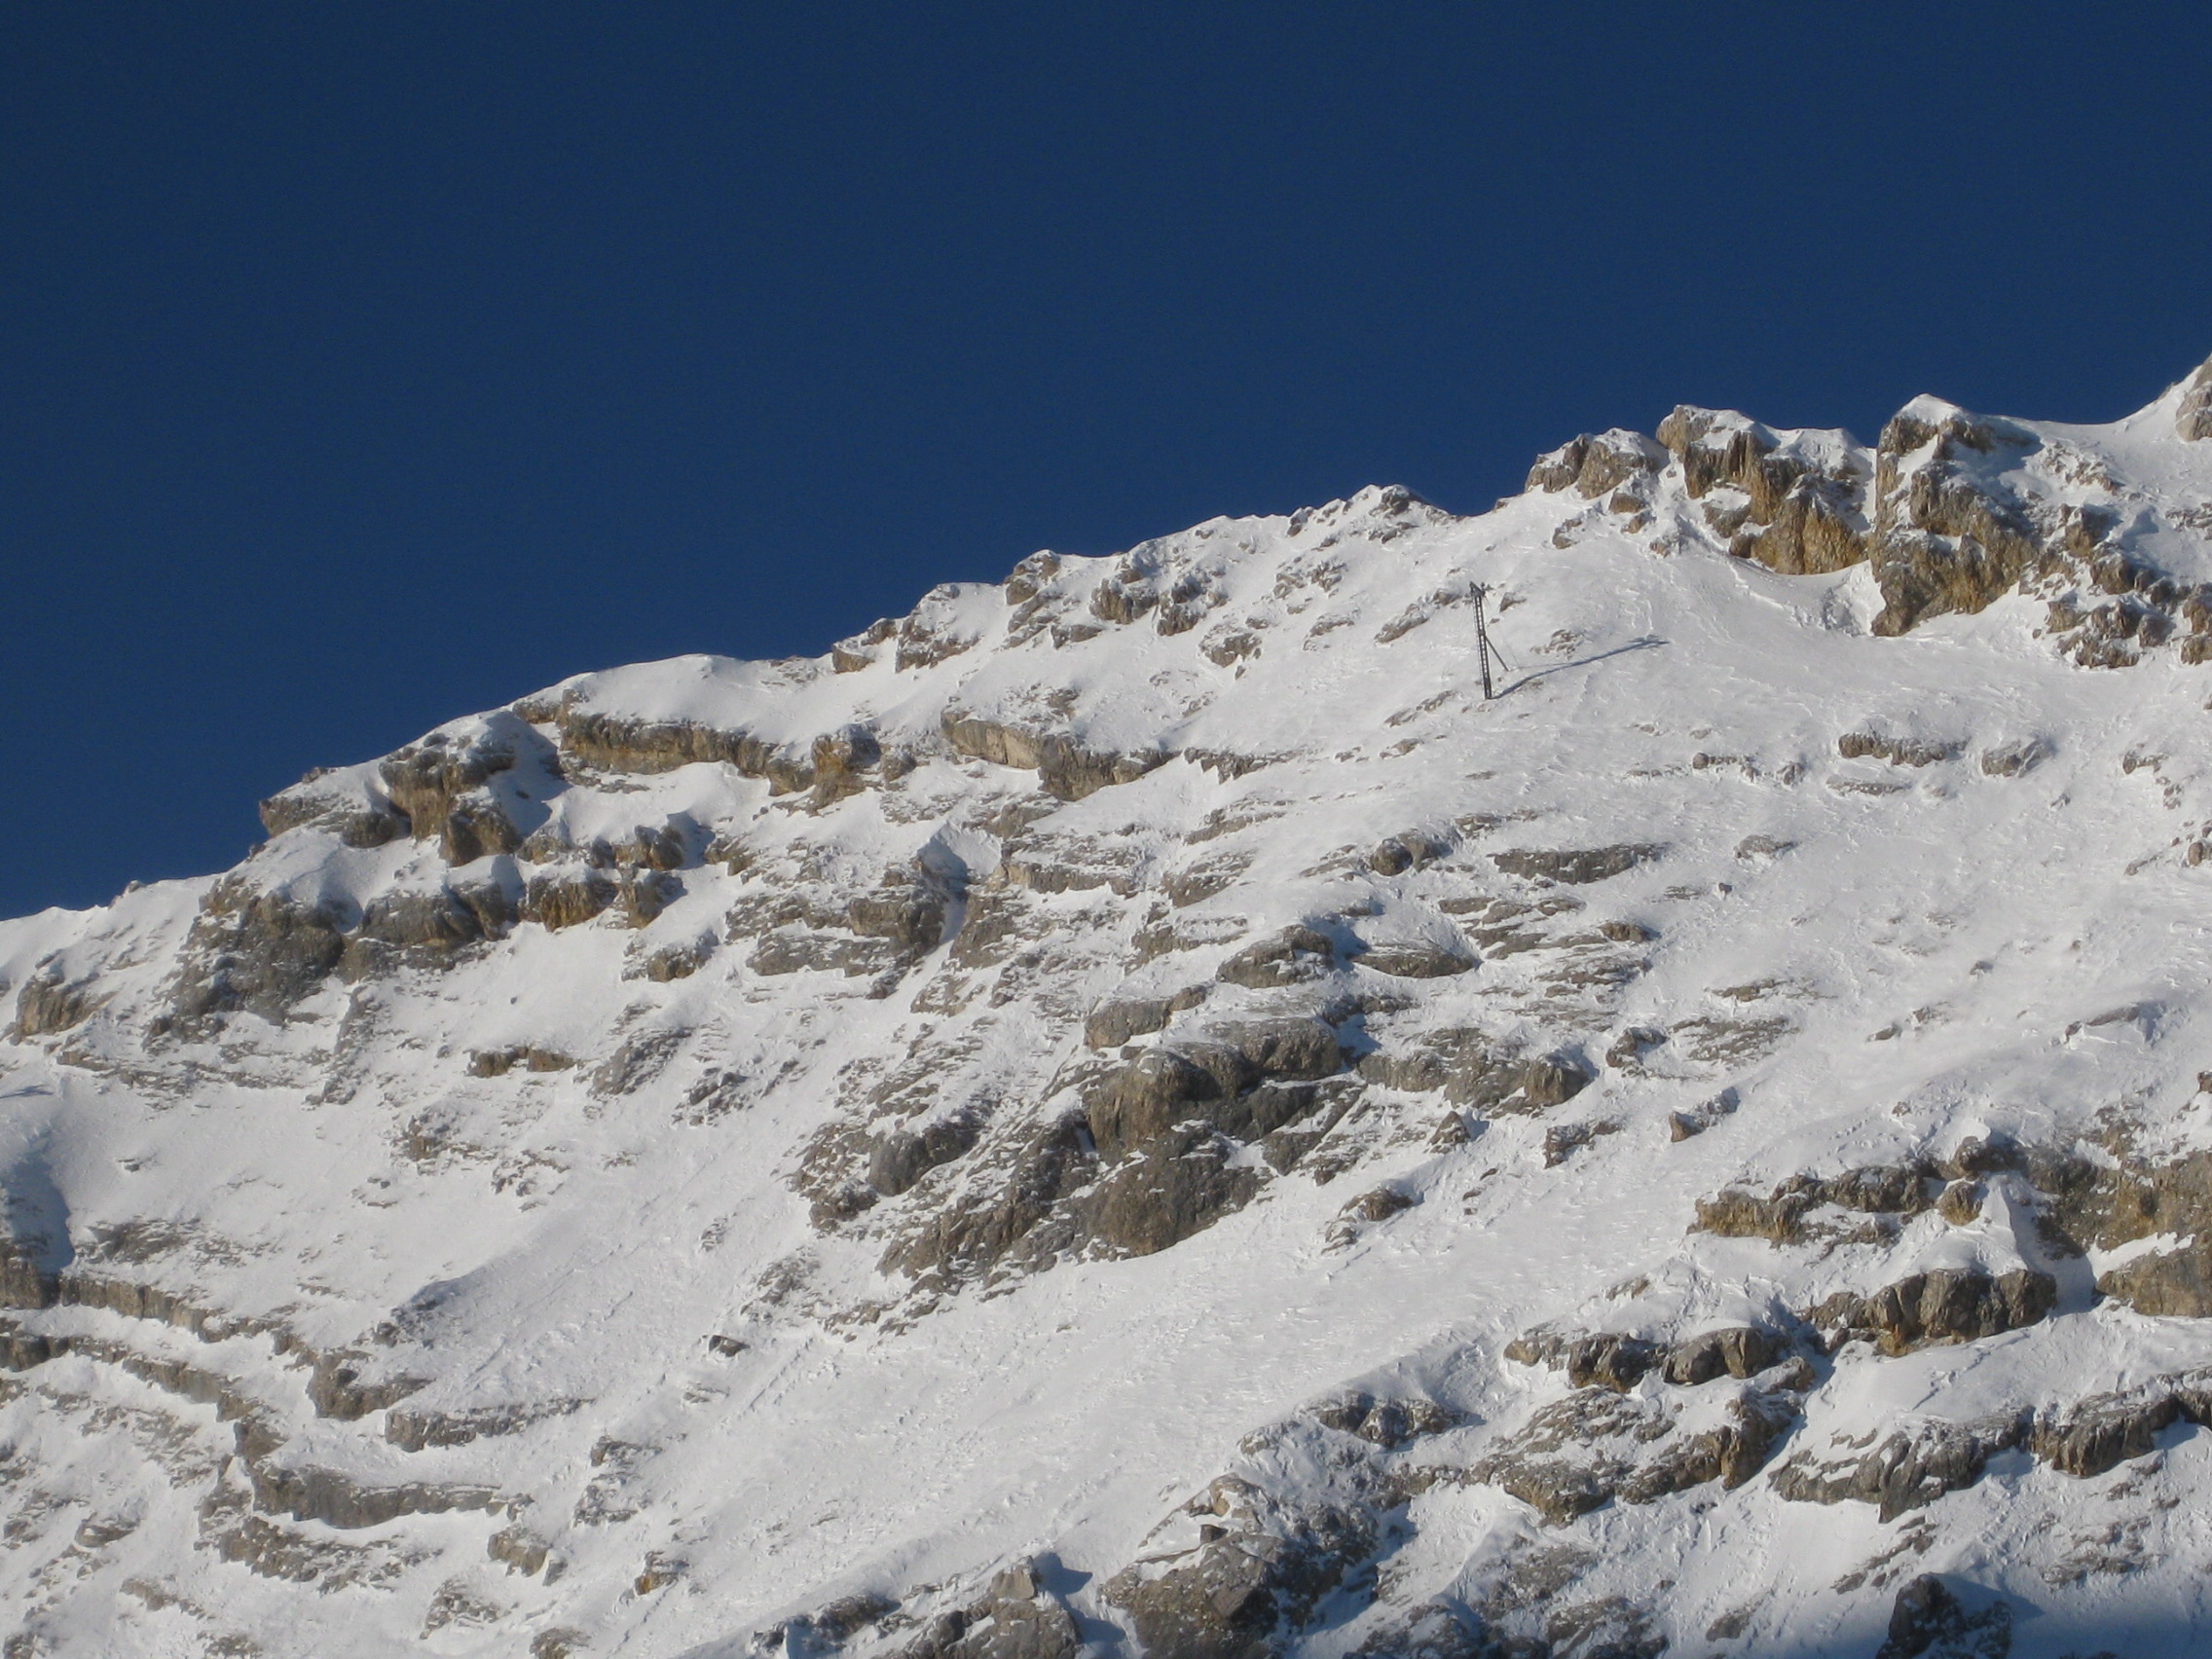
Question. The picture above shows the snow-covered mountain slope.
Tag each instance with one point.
(1134, 1110)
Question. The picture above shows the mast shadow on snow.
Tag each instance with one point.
(1648, 642)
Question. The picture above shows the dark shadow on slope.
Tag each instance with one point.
(1978, 1623)
(1058, 1579)
(1647, 642)
(1935, 1616)
(34, 1223)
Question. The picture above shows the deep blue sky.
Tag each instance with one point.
(361, 366)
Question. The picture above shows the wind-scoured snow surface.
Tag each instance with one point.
(731, 1157)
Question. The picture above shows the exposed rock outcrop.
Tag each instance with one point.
(1617, 1361)
(2102, 1431)
(1600, 1444)
(1929, 1619)
(358, 814)
(1909, 1469)
(1064, 767)
(2193, 418)
(1797, 506)
(1295, 956)
(27, 1277)
(1016, 1618)
(1789, 1215)
(1260, 1568)
(616, 743)
(1598, 465)
(256, 950)
(2109, 1202)
(49, 1003)
(1945, 1305)
(428, 926)
(336, 1499)
(1575, 865)
(563, 896)
(902, 1155)
(437, 786)
(1169, 1124)
(1896, 751)
(1113, 1023)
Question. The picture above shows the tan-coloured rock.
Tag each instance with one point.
(2194, 419)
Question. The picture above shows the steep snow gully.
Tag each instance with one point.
(1130, 1110)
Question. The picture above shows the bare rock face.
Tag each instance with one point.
(638, 1059)
(937, 628)
(2102, 1431)
(2095, 1205)
(908, 910)
(1555, 1078)
(1388, 1423)
(1945, 1305)
(1945, 541)
(1111, 1024)
(1021, 1216)
(878, 933)
(358, 815)
(1594, 466)
(1414, 961)
(1296, 954)
(1790, 1214)
(617, 743)
(1909, 1469)
(1173, 1189)
(857, 651)
(1170, 1124)
(437, 786)
(1613, 1360)
(429, 926)
(1018, 1619)
(1157, 1091)
(519, 1550)
(1953, 511)
(341, 1386)
(1929, 1619)
(1798, 507)
(27, 1279)
(1575, 865)
(1600, 1444)
(477, 826)
(1064, 767)
(842, 760)
(2172, 1283)
(1603, 1361)
(1969, 508)
(256, 950)
(1896, 751)
(1256, 1576)
(1031, 577)
(1735, 1351)
(49, 1003)
(528, 1056)
(561, 898)
(1409, 849)
(2015, 758)
(903, 1157)
(2194, 419)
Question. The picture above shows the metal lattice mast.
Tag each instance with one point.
(1482, 640)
